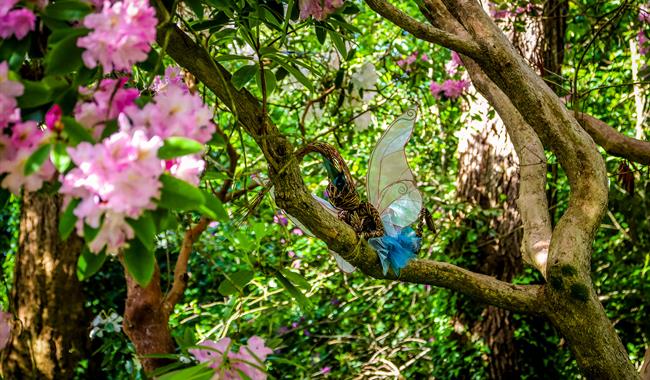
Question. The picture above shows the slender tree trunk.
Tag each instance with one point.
(49, 334)
(146, 323)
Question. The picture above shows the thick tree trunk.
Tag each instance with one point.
(146, 323)
(49, 335)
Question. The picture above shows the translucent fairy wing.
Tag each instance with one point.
(390, 182)
(340, 261)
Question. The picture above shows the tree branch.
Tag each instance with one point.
(424, 31)
(180, 270)
(614, 142)
(291, 193)
(532, 202)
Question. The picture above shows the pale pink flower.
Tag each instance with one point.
(121, 35)
(212, 353)
(15, 178)
(318, 9)
(116, 178)
(6, 5)
(107, 102)
(26, 135)
(644, 13)
(113, 234)
(174, 112)
(452, 66)
(435, 89)
(187, 168)
(9, 87)
(643, 42)
(17, 22)
(173, 76)
(297, 231)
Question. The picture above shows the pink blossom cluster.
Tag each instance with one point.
(318, 9)
(121, 35)
(115, 179)
(450, 89)
(406, 63)
(230, 365)
(23, 140)
(106, 102)
(643, 40)
(644, 13)
(174, 112)
(452, 65)
(15, 22)
(119, 177)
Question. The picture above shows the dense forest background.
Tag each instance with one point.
(352, 75)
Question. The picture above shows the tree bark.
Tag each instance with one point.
(49, 335)
(146, 323)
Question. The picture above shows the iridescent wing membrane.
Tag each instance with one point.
(391, 184)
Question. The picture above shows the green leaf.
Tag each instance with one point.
(232, 57)
(269, 79)
(178, 146)
(36, 160)
(302, 300)
(64, 57)
(339, 43)
(294, 72)
(89, 263)
(199, 372)
(59, 157)
(90, 233)
(140, 262)
(35, 94)
(4, 197)
(68, 219)
(321, 34)
(296, 278)
(68, 10)
(243, 76)
(179, 195)
(196, 6)
(214, 207)
(145, 229)
(235, 282)
(75, 131)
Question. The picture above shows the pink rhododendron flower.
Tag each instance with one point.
(174, 112)
(248, 361)
(115, 179)
(9, 90)
(53, 117)
(16, 22)
(643, 42)
(15, 149)
(452, 66)
(173, 76)
(121, 35)
(187, 168)
(451, 89)
(108, 101)
(15, 178)
(318, 9)
(280, 219)
(6, 5)
(644, 13)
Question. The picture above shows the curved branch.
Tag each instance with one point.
(180, 269)
(424, 31)
(614, 142)
(292, 195)
(532, 202)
